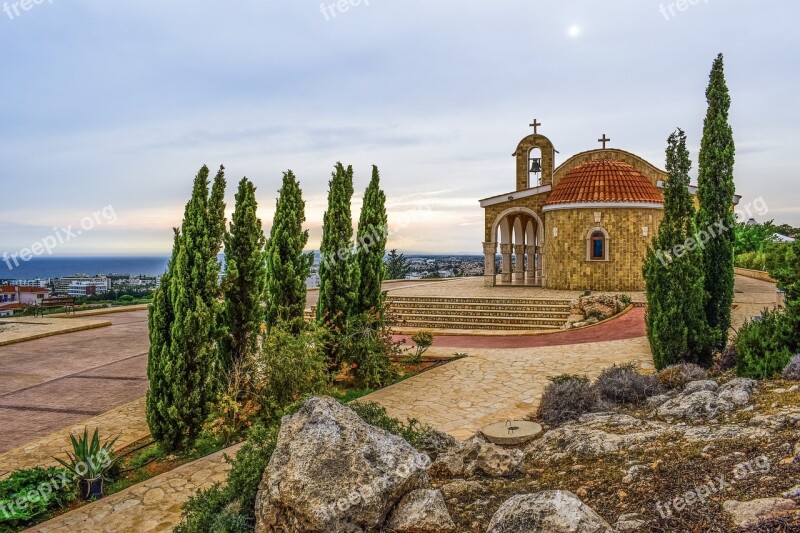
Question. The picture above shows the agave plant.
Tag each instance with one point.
(90, 462)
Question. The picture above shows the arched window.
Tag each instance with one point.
(597, 245)
(535, 167)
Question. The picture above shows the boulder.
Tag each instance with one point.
(497, 462)
(333, 472)
(746, 514)
(737, 391)
(550, 511)
(629, 522)
(435, 442)
(421, 511)
(695, 406)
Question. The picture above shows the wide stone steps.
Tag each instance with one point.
(469, 313)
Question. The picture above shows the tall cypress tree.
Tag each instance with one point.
(287, 266)
(160, 317)
(715, 193)
(676, 321)
(179, 396)
(337, 271)
(372, 233)
(245, 276)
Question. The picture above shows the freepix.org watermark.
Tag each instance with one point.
(16, 9)
(59, 237)
(699, 494)
(331, 10)
(669, 10)
(699, 240)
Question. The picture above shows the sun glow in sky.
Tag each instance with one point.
(574, 30)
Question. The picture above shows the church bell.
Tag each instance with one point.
(536, 165)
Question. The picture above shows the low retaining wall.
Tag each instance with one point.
(755, 274)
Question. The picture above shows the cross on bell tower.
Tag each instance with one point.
(604, 140)
(535, 126)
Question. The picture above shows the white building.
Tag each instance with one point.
(76, 289)
(39, 283)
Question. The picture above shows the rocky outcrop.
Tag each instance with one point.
(746, 514)
(594, 434)
(550, 511)
(332, 472)
(703, 400)
(589, 310)
(421, 511)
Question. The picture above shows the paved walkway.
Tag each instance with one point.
(154, 505)
(56, 382)
(127, 422)
(498, 384)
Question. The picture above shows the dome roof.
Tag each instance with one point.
(604, 180)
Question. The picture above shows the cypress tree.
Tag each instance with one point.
(160, 317)
(287, 266)
(372, 234)
(337, 271)
(715, 193)
(245, 276)
(179, 395)
(676, 322)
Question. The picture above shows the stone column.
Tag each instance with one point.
(489, 254)
(519, 266)
(530, 268)
(505, 252)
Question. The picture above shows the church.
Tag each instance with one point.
(583, 225)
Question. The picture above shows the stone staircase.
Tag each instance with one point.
(478, 313)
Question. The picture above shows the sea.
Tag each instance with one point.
(56, 267)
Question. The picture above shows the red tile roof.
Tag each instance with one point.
(604, 180)
(16, 288)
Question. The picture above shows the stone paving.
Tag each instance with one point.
(57, 382)
(22, 329)
(498, 384)
(154, 505)
(126, 422)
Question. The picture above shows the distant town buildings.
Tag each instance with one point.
(101, 284)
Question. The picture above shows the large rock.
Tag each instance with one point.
(421, 511)
(497, 462)
(333, 472)
(700, 405)
(550, 511)
(737, 391)
(746, 514)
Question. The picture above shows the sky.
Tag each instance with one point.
(109, 108)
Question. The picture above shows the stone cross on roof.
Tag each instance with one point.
(604, 140)
(535, 126)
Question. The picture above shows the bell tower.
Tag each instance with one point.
(535, 160)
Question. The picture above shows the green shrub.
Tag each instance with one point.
(623, 384)
(567, 398)
(367, 348)
(293, 366)
(43, 490)
(763, 346)
(625, 299)
(375, 414)
(423, 340)
(231, 509)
